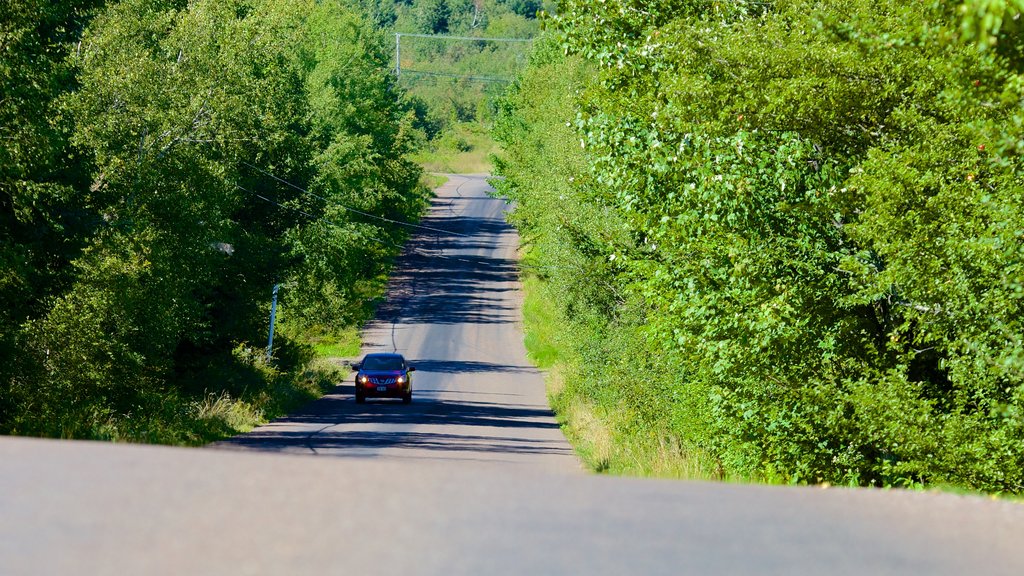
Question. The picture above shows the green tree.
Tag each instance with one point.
(824, 202)
(41, 218)
(434, 16)
(224, 142)
(525, 8)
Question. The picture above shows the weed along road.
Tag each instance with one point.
(473, 477)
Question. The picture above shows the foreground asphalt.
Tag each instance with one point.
(89, 508)
(474, 477)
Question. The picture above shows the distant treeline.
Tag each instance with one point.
(163, 164)
(454, 83)
(785, 239)
(450, 16)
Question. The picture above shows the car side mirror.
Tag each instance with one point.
(356, 366)
(411, 368)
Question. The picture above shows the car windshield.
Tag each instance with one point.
(383, 363)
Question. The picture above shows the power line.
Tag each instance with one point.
(410, 250)
(348, 208)
(379, 240)
(330, 202)
(415, 251)
(416, 226)
(453, 75)
(398, 53)
(475, 39)
(311, 216)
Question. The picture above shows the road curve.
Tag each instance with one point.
(472, 478)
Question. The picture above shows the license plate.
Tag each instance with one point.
(382, 388)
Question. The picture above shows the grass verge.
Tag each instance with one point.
(465, 149)
(341, 344)
(433, 181)
(252, 392)
(277, 393)
(220, 416)
(603, 433)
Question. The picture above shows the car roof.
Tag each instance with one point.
(384, 355)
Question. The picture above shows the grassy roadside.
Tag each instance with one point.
(254, 392)
(220, 416)
(602, 433)
(342, 344)
(466, 149)
(433, 181)
(319, 369)
(585, 428)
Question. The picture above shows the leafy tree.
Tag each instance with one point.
(823, 202)
(41, 219)
(434, 16)
(202, 126)
(525, 8)
(382, 13)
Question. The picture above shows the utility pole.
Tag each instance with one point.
(398, 54)
(273, 317)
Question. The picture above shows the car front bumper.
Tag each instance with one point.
(371, 390)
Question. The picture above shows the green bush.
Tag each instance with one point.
(216, 150)
(803, 219)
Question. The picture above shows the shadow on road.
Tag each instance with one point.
(338, 407)
(440, 279)
(356, 440)
(444, 279)
(457, 290)
(501, 427)
(467, 367)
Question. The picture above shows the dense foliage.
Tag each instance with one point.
(163, 165)
(786, 238)
(454, 83)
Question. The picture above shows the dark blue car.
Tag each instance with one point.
(382, 375)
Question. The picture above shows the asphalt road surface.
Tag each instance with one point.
(453, 311)
(472, 478)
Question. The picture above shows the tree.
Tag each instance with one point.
(525, 8)
(41, 217)
(434, 16)
(223, 142)
(822, 199)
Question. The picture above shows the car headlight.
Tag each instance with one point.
(364, 379)
(400, 380)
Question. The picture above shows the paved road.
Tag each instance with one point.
(472, 478)
(453, 310)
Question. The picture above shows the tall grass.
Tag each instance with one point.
(600, 429)
(342, 343)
